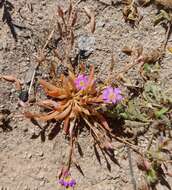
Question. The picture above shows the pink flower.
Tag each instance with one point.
(112, 95)
(67, 181)
(81, 82)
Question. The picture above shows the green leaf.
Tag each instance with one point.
(152, 176)
(133, 111)
(125, 115)
(147, 67)
(162, 17)
(161, 112)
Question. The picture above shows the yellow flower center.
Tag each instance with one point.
(112, 96)
(67, 179)
(81, 83)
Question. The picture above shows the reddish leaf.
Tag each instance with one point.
(85, 111)
(48, 85)
(82, 66)
(67, 86)
(71, 83)
(94, 100)
(103, 121)
(64, 171)
(77, 109)
(60, 30)
(91, 78)
(74, 19)
(12, 78)
(60, 12)
(70, 11)
(29, 115)
(57, 94)
(55, 115)
(71, 128)
(49, 104)
(66, 125)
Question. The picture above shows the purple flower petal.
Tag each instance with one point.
(66, 184)
(111, 95)
(117, 91)
(67, 181)
(119, 97)
(114, 100)
(61, 181)
(81, 82)
(72, 183)
(106, 93)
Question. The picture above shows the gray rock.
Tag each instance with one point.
(86, 45)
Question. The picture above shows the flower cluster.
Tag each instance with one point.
(67, 181)
(109, 95)
(67, 184)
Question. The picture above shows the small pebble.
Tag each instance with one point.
(40, 16)
(24, 96)
(25, 129)
(29, 155)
